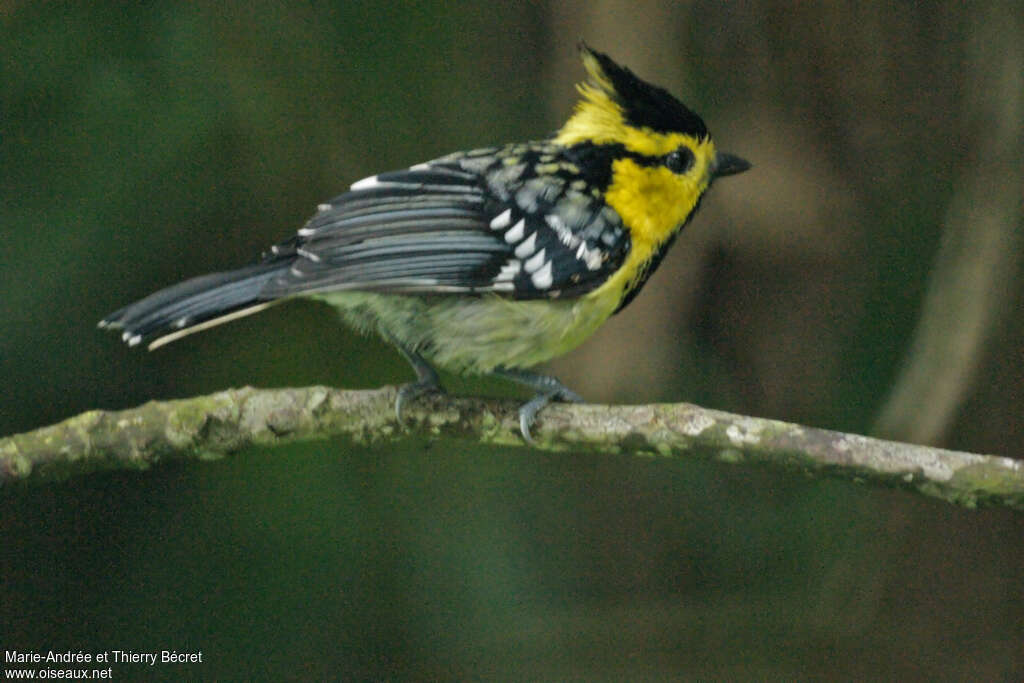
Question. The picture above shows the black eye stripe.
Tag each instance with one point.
(595, 161)
(679, 160)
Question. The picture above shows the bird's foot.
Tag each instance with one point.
(427, 381)
(550, 390)
(413, 390)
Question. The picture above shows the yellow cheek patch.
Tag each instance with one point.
(654, 203)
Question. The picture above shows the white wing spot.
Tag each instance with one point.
(535, 262)
(305, 253)
(134, 340)
(527, 247)
(592, 257)
(556, 222)
(542, 278)
(515, 233)
(502, 220)
(508, 271)
(323, 207)
(420, 167)
(565, 235)
(365, 183)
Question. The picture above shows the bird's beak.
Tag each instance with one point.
(728, 164)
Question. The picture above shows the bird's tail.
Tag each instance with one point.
(194, 305)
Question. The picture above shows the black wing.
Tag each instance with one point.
(517, 221)
(476, 222)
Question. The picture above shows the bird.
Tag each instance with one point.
(489, 261)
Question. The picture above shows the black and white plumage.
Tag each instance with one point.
(480, 222)
(475, 222)
(489, 261)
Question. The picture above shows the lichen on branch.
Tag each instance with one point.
(213, 426)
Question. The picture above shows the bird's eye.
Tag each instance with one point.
(679, 160)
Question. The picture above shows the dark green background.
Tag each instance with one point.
(146, 143)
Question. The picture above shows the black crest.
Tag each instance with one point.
(645, 104)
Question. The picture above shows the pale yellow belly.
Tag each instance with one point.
(476, 334)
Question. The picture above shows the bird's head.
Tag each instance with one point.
(662, 156)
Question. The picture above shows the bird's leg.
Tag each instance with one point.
(427, 381)
(549, 389)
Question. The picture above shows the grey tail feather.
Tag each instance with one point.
(195, 305)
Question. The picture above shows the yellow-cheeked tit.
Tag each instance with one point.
(488, 261)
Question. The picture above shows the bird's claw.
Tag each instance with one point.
(412, 391)
(528, 411)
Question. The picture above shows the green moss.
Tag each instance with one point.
(989, 479)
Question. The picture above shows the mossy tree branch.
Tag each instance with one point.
(207, 427)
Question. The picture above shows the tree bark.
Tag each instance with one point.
(210, 427)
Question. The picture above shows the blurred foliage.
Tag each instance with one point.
(144, 143)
